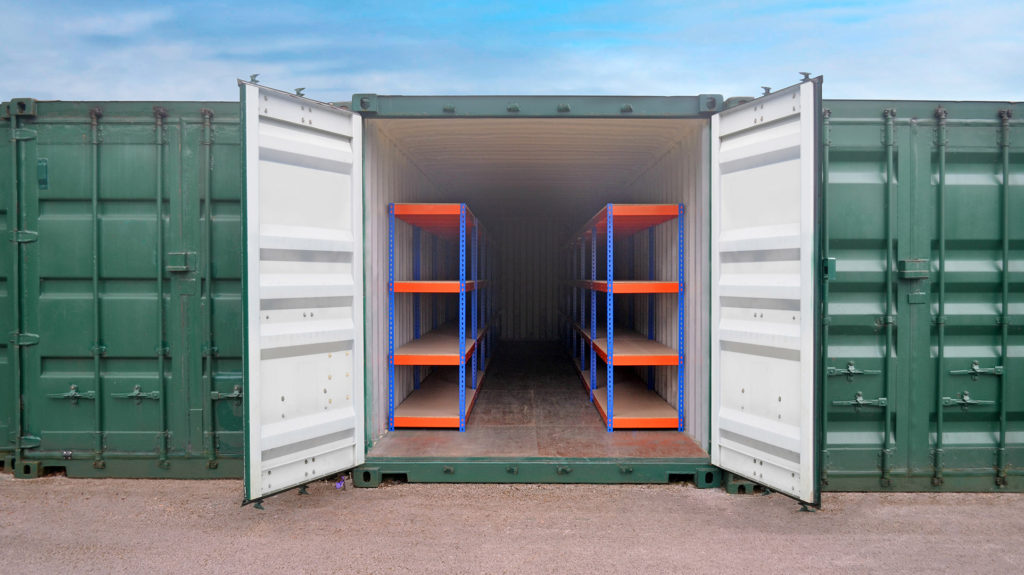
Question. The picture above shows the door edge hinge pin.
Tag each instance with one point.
(24, 236)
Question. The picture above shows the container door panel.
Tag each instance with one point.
(763, 294)
(303, 292)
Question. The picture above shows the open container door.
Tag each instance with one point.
(764, 352)
(302, 292)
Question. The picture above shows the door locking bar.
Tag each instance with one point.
(964, 401)
(975, 371)
(74, 395)
(849, 371)
(137, 394)
(236, 395)
(858, 402)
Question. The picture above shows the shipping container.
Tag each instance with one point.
(853, 273)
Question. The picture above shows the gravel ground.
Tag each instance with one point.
(61, 525)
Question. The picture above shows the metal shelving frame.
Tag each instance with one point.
(624, 220)
(439, 346)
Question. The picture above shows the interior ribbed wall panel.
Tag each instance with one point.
(677, 176)
(389, 176)
(533, 182)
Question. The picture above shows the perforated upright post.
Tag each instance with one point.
(462, 317)
(391, 317)
(483, 298)
(631, 257)
(436, 271)
(650, 301)
(610, 319)
(681, 368)
(593, 312)
(416, 300)
(475, 298)
(583, 300)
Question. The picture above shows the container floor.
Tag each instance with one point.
(532, 404)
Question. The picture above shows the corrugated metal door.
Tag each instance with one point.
(303, 290)
(764, 185)
(111, 277)
(924, 212)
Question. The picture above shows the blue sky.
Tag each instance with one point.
(101, 50)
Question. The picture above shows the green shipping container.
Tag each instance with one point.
(896, 249)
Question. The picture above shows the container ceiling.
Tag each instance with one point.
(529, 164)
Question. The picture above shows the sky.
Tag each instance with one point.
(903, 49)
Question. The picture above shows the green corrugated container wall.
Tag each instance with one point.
(106, 301)
(916, 176)
(925, 175)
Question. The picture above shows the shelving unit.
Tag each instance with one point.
(623, 398)
(453, 346)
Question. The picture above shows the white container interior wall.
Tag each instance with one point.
(534, 182)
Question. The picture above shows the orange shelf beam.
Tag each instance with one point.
(438, 219)
(435, 286)
(633, 286)
(630, 218)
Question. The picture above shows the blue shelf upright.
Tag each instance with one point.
(627, 401)
(455, 352)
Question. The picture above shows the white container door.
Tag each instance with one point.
(303, 287)
(764, 185)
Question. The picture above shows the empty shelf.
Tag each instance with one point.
(632, 348)
(436, 402)
(437, 347)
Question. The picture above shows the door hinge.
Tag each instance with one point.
(24, 236)
(21, 134)
(828, 269)
(30, 441)
(181, 261)
(23, 339)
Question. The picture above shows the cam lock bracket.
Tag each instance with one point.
(180, 262)
(849, 371)
(858, 402)
(913, 269)
(828, 269)
(137, 394)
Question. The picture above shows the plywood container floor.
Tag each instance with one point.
(531, 404)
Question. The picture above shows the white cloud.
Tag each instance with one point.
(915, 49)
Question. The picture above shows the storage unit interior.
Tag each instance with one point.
(534, 182)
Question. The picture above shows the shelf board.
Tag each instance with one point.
(636, 407)
(436, 402)
(632, 286)
(438, 219)
(629, 219)
(437, 347)
(632, 348)
(436, 286)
